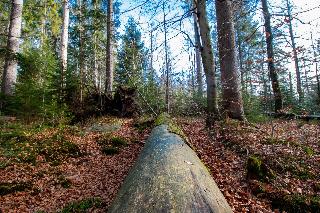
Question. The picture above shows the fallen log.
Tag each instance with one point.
(168, 177)
(290, 116)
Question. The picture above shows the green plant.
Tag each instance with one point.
(82, 205)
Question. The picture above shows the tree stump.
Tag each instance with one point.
(168, 177)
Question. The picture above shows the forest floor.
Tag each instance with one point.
(272, 166)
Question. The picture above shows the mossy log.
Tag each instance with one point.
(168, 177)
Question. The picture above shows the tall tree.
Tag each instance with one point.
(109, 56)
(272, 70)
(231, 91)
(198, 56)
(64, 42)
(207, 60)
(10, 67)
(294, 49)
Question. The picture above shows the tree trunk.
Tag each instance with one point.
(64, 43)
(110, 56)
(295, 54)
(316, 64)
(198, 57)
(10, 67)
(231, 90)
(272, 70)
(208, 61)
(169, 177)
(166, 58)
(81, 53)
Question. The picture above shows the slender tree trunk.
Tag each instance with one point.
(166, 58)
(316, 63)
(43, 24)
(198, 57)
(231, 89)
(291, 85)
(96, 66)
(272, 70)
(10, 67)
(208, 61)
(64, 44)
(306, 76)
(81, 53)
(110, 56)
(295, 54)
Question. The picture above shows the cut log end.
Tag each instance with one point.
(169, 177)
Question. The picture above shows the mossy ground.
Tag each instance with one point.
(111, 145)
(83, 205)
(22, 145)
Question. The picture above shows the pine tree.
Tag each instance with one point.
(131, 57)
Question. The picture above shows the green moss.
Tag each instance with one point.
(143, 123)
(164, 118)
(256, 169)
(297, 203)
(64, 182)
(119, 141)
(308, 150)
(273, 141)
(109, 150)
(8, 188)
(82, 206)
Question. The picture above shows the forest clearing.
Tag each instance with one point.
(159, 106)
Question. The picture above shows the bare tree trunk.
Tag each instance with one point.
(231, 89)
(96, 66)
(110, 56)
(316, 63)
(306, 76)
(198, 57)
(10, 67)
(64, 43)
(208, 61)
(166, 58)
(81, 54)
(272, 70)
(295, 54)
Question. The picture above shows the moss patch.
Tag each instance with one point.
(164, 118)
(143, 123)
(82, 206)
(296, 203)
(109, 150)
(257, 169)
(8, 188)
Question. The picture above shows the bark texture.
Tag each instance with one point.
(231, 90)
(64, 41)
(272, 70)
(169, 177)
(10, 67)
(295, 54)
(207, 59)
(198, 57)
(110, 56)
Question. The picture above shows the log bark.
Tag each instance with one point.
(168, 177)
(10, 68)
